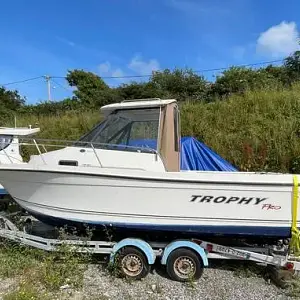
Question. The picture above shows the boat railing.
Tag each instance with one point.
(43, 146)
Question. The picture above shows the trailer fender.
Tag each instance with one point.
(139, 244)
(184, 244)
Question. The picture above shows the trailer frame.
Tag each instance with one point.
(152, 250)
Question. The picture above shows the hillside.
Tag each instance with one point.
(256, 131)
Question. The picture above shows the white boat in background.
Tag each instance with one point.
(111, 176)
(10, 147)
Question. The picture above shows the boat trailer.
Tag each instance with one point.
(133, 257)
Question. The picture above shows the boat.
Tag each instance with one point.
(10, 151)
(116, 176)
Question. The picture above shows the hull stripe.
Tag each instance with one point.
(250, 231)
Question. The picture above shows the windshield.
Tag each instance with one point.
(126, 129)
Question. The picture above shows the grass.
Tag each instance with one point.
(65, 126)
(255, 131)
(16, 260)
(40, 273)
(62, 268)
(27, 291)
(294, 288)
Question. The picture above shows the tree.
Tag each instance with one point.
(52, 108)
(10, 99)
(138, 90)
(292, 65)
(91, 90)
(239, 79)
(180, 84)
(280, 73)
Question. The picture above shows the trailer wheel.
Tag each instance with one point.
(132, 263)
(184, 265)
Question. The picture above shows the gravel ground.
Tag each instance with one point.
(6, 285)
(216, 284)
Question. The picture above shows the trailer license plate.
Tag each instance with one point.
(231, 251)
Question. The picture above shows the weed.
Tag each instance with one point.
(15, 259)
(293, 289)
(50, 270)
(27, 292)
(190, 283)
(246, 269)
(113, 267)
(64, 266)
(55, 274)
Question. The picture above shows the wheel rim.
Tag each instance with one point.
(184, 267)
(132, 265)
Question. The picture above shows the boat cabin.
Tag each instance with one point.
(149, 126)
(136, 134)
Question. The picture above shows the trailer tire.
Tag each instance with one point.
(184, 265)
(131, 263)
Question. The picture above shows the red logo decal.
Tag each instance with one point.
(270, 206)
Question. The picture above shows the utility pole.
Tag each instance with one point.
(48, 80)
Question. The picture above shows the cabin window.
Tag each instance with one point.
(126, 130)
(5, 141)
(176, 146)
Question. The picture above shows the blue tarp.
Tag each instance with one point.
(197, 156)
(194, 155)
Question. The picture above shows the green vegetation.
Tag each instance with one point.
(16, 260)
(27, 291)
(248, 116)
(38, 274)
(256, 130)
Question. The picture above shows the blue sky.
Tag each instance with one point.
(134, 37)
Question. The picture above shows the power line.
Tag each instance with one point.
(146, 75)
(21, 81)
(60, 85)
(195, 71)
(245, 65)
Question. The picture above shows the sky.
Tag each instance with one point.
(135, 37)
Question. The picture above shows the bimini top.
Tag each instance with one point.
(18, 131)
(136, 103)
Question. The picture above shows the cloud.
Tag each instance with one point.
(279, 40)
(106, 70)
(138, 65)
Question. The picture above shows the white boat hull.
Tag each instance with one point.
(200, 202)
